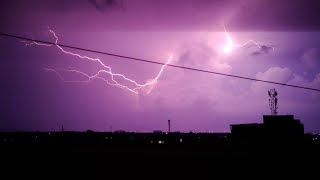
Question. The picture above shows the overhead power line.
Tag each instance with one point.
(159, 63)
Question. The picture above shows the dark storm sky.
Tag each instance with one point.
(191, 31)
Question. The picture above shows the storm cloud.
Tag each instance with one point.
(167, 15)
(103, 5)
(264, 49)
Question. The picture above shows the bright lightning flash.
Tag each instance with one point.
(229, 46)
(105, 69)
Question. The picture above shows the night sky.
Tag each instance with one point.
(33, 99)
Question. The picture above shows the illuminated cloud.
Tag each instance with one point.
(276, 74)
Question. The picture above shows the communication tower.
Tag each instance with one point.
(273, 101)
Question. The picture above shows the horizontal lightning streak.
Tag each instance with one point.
(106, 69)
(159, 63)
(230, 43)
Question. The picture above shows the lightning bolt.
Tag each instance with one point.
(105, 69)
(229, 46)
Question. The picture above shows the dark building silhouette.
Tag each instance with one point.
(273, 126)
(283, 125)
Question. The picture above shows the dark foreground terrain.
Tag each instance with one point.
(121, 155)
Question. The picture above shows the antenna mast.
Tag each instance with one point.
(273, 101)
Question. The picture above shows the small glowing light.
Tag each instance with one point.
(227, 49)
(166, 133)
(49, 133)
(107, 138)
(181, 140)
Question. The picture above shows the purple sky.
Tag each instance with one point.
(191, 30)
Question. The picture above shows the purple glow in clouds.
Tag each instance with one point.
(192, 30)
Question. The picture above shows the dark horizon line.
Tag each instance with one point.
(119, 131)
(132, 132)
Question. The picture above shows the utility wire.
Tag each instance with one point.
(159, 63)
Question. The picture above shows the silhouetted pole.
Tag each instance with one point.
(169, 128)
